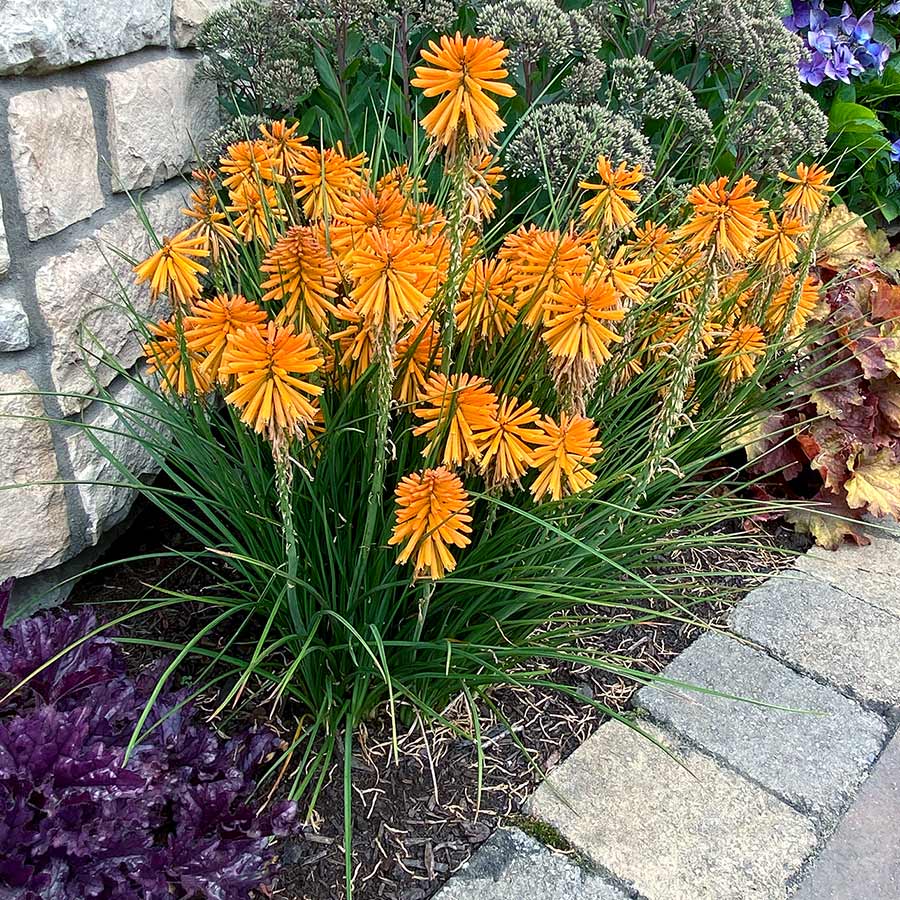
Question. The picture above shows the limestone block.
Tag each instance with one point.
(189, 15)
(14, 333)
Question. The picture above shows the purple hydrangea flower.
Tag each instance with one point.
(837, 47)
(895, 151)
(812, 70)
(843, 64)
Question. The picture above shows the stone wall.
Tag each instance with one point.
(98, 107)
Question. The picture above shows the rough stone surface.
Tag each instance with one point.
(34, 527)
(157, 115)
(862, 858)
(823, 631)
(110, 423)
(513, 866)
(14, 333)
(54, 155)
(815, 761)
(870, 573)
(189, 15)
(41, 35)
(80, 297)
(691, 832)
(4, 247)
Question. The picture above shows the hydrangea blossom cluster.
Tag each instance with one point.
(837, 47)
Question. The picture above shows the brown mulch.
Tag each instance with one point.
(418, 820)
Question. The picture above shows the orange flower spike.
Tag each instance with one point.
(356, 344)
(724, 221)
(738, 352)
(538, 261)
(379, 210)
(504, 443)
(326, 179)
(249, 162)
(174, 268)
(256, 214)
(463, 72)
(268, 363)
(284, 146)
(624, 274)
(415, 356)
(393, 277)
(654, 245)
(210, 222)
(453, 410)
(608, 209)
(483, 304)
(563, 455)
(777, 247)
(482, 177)
(809, 191)
(207, 328)
(303, 277)
(575, 327)
(781, 302)
(164, 355)
(432, 515)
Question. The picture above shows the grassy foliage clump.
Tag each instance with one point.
(433, 443)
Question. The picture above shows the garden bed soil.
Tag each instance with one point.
(417, 821)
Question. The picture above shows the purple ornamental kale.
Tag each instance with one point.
(79, 821)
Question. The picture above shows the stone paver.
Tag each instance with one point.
(870, 573)
(862, 858)
(826, 632)
(513, 866)
(692, 832)
(814, 761)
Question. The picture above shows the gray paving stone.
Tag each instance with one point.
(826, 632)
(862, 858)
(870, 573)
(513, 866)
(676, 832)
(815, 761)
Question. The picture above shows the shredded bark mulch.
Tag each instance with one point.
(418, 820)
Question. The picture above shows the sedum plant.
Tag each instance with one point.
(431, 443)
(87, 810)
(692, 86)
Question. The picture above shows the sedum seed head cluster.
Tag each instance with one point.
(567, 138)
(538, 29)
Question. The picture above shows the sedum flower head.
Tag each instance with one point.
(432, 516)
